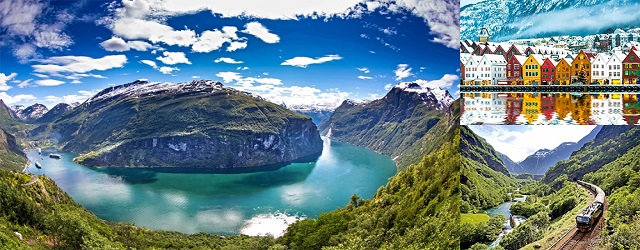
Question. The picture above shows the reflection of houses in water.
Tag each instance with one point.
(513, 107)
(547, 105)
(552, 109)
(607, 109)
(581, 109)
(484, 108)
(563, 105)
(631, 109)
(531, 106)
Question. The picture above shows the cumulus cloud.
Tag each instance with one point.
(442, 17)
(164, 69)
(364, 70)
(211, 40)
(273, 90)
(24, 31)
(168, 70)
(80, 97)
(49, 82)
(403, 71)
(258, 30)
(78, 64)
(7, 99)
(118, 44)
(233, 46)
(303, 62)
(195, 77)
(365, 77)
(228, 77)
(445, 82)
(388, 86)
(172, 58)
(227, 60)
(4, 79)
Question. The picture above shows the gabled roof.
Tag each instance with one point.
(521, 59)
(602, 56)
(494, 59)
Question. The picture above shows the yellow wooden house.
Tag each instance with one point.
(531, 69)
(582, 63)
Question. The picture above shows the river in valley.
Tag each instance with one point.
(255, 203)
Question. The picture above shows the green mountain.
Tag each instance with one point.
(54, 113)
(406, 124)
(610, 143)
(417, 209)
(513, 166)
(198, 124)
(484, 180)
(477, 149)
(10, 122)
(11, 155)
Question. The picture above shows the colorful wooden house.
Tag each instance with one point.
(613, 69)
(548, 72)
(563, 71)
(514, 69)
(581, 65)
(531, 69)
(631, 68)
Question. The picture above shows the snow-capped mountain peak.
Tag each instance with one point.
(144, 88)
(442, 95)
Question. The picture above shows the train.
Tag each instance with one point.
(589, 216)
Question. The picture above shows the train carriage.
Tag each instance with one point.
(588, 217)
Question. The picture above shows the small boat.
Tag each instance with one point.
(38, 165)
(56, 156)
(39, 151)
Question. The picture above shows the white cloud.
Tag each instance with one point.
(518, 142)
(49, 82)
(210, 40)
(363, 69)
(78, 64)
(195, 77)
(168, 70)
(76, 81)
(7, 99)
(228, 76)
(24, 83)
(259, 31)
(132, 28)
(40, 75)
(80, 97)
(236, 46)
(294, 96)
(118, 44)
(150, 63)
(442, 17)
(77, 76)
(24, 30)
(242, 68)
(227, 60)
(445, 82)
(403, 71)
(172, 58)
(388, 86)
(303, 62)
(4, 79)
(365, 77)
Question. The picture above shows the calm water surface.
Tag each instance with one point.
(249, 203)
(550, 109)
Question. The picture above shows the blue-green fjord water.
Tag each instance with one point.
(255, 203)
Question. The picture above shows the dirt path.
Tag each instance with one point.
(31, 182)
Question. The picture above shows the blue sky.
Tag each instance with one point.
(518, 142)
(296, 52)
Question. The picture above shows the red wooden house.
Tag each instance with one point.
(548, 71)
(630, 68)
(514, 69)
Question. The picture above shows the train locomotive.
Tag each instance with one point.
(589, 216)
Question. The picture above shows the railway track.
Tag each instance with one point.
(574, 239)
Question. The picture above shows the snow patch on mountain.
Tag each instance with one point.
(143, 88)
(441, 95)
